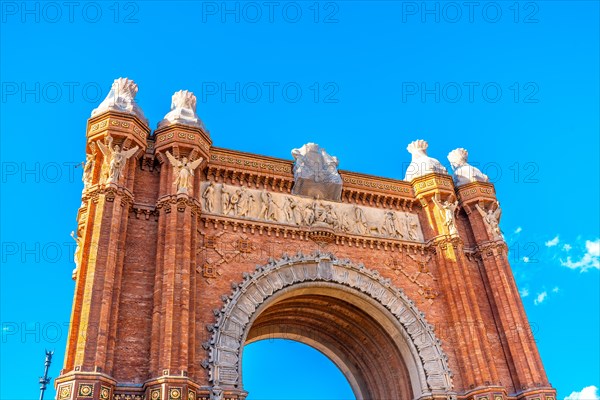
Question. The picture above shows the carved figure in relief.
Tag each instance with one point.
(267, 210)
(320, 212)
(225, 200)
(114, 160)
(412, 227)
(185, 172)
(88, 166)
(234, 200)
(344, 222)
(248, 205)
(77, 254)
(448, 211)
(491, 218)
(360, 220)
(209, 197)
(297, 211)
(288, 210)
(391, 226)
(243, 203)
(331, 217)
(309, 214)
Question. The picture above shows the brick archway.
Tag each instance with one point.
(155, 252)
(367, 327)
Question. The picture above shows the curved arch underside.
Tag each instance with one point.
(367, 327)
(349, 336)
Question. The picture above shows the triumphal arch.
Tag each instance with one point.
(187, 252)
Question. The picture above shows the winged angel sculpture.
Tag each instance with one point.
(114, 160)
(185, 172)
(491, 218)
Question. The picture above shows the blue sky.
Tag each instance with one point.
(516, 83)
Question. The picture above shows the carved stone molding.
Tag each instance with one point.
(489, 249)
(233, 319)
(111, 191)
(144, 211)
(476, 191)
(178, 202)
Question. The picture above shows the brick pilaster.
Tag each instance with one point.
(101, 236)
(523, 357)
(468, 331)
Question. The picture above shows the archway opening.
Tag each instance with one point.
(347, 328)
(368, 328)
(280, 369)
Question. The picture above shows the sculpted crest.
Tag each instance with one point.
(315, 173)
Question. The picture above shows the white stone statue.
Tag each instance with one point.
(315, 173)
(77, 253)
(184, 170)
(421, 164)
(448, 211)
(209, 197)
(183, 111)
(491, 219)
(114, 160)
(88, 166)
(463, 172)
(121, 98)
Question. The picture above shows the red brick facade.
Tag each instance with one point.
(156, 272)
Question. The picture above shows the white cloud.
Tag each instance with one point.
(567, 247)
(518, 230)
(540, 298)
(590, 259)
(525, 259)
(587, 393)
(524, 293)
(555, 289)
(552, 242)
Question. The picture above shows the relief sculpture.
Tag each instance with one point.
(263, 205)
